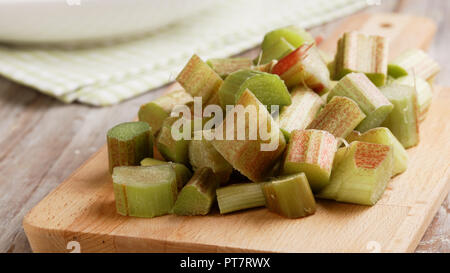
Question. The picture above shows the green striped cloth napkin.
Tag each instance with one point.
(107, 74)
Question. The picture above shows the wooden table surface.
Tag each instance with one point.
(43, 141)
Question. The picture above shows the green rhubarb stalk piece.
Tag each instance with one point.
(129, 143)
(197, 197)
(303, 109)
(253, 156)
(372, 102)
(403, 121)
(414, 62)
(290, 196)
(277, 51)
(423, 89)
(183, 173)
(294, 35)
(311, 152)
(304, 66)
(223, 67)
(203, 154)
(144, 191)
(199, 79)
(357, 52)
(362, 174)
(156, 111)
(268, 88)
(170, 148)
(339, 117)
(239, 197)
(382, 135)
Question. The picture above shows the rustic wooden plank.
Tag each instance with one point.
(396, 222)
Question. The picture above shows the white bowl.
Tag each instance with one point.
(62, 21)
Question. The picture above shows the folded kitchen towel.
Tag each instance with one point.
(110, 73)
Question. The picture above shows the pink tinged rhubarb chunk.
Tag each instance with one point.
(382, 135)
(199, 79)
(339, 117)
(311, 152)
(361, 175)
(369, 98)
(403, 121)
(129, 143)
(357, 52)
(276, 51)
(303, 109)
(253, 158)
(304, 66)
(414, 62)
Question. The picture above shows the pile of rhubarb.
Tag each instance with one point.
(340, 133)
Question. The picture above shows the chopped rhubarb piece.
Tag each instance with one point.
(361, 175)
(144, 191)
(199, 79)
(253, 158)
(382, 135)
(203, 154)
(169, 147)
(129, 143)
(294, 35)
(403, 121)
(311, 152)
(414, 62)
(277, 51)
(304, 66)
(268, 88)
(423, 89)
(290, 196)
(304, 108)
(157, 110)
(197, 197)
(339, 117)
(368, 97)
(357, 52)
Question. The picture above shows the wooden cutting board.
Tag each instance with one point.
(82, 208)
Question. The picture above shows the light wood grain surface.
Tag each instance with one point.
(43, 141)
